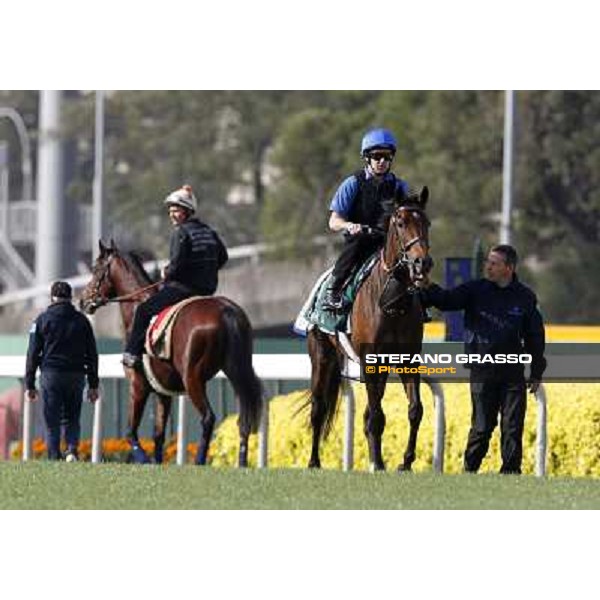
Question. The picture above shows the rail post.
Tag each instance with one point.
(263, 437)
(28, 414)
(439, 437)
(97, 431)
(542, 432)
(182, 431)
(349, 411)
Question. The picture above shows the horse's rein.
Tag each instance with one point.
(124, 298)
(403, 260)
(133, 295)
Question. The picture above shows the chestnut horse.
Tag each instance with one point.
(384, 321)
(209, 335)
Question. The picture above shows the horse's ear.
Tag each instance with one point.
(102, 248)
(401, 197)
(424, 196)
(112, 244)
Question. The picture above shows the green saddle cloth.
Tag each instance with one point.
(331, 321)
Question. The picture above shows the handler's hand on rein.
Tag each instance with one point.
(31, 395)
(424, 283)
(533, 385)
(93, 395)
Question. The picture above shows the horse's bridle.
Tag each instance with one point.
(396, 303)
(404, 260)
(99, 300)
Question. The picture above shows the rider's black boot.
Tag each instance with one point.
(333, 299)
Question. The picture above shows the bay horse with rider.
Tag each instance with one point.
(209, 334)
(386, 313)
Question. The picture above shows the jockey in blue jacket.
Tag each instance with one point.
(363, 199)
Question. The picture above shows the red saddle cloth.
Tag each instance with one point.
(156, 332)
(157, 321)
(158, 336)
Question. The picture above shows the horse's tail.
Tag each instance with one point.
(238, 368)
(325, 385)
(330, 398)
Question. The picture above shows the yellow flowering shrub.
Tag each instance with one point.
(573, 432)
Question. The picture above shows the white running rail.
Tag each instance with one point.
(278, 367)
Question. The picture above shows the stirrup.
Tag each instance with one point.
(333, 300)
(131, 361)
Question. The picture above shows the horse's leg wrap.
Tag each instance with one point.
(415, 415)
(163, 411)
(243, 454)
(208, 425)
(374, 423)
(138, 453)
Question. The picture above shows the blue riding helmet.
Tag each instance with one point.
(377, 138)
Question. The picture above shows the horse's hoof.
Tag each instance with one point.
(373, 467)
(314, 464)
(402, 468)
(139, 456)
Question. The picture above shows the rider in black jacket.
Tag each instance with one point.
(501, 317)
(196, 253)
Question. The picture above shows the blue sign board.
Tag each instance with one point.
(456, 271)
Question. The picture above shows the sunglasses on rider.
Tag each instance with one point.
(377, 156)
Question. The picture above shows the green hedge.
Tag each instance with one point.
(573, 432)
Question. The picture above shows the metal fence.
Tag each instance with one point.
(277, 368)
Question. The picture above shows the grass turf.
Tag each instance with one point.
(45, 485)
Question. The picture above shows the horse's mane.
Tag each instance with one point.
(136, 263)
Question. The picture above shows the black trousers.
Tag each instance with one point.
(490, 397)
(62, 395)
(357, 249)
(167, 296)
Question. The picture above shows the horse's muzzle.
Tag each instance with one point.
(427, 264)
(89, 306)
(420, 267)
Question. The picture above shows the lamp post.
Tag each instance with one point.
(50, 190)
(97, 209)
(507, 186)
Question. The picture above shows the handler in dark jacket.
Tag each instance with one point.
(195, 257)
(62, 345)
(501, 317)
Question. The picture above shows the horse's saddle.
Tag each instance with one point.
(158, 343)
(158, 336)
(313, 314)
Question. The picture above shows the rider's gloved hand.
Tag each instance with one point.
(353, 229)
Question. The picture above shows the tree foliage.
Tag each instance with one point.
(265, 164)
(558, 221)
